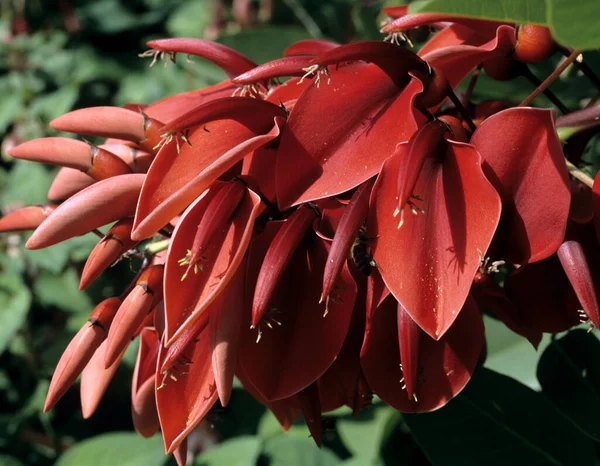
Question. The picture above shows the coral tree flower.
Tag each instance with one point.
(324, 238)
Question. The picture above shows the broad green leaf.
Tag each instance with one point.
(511, 354)
(512, 11)
(238, 451)
(62, 292)
(364, 434)
(569, 375)
(498, 421)
(27, 184)
(291, 450)
(121, 448)
(15, 299)
(575, 23)
(265, 43)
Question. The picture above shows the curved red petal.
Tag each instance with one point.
(529, 172)
(293, 353)
(445, 366)
(67, 182)
(309, 47)
(186, 300)
(361, 117)
(439, 246)
(26, 218)
(143, 401)
(101, 203)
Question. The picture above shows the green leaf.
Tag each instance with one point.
(569, 375)
(265, 43)
(238, 451)
(511, 354)
(512, 11)
(10, 106)
(121, 448)
(365, 434)
(15, 300)
(27, 184)
(575, 24)
(291, 450)
(62, 292)
(498, 421)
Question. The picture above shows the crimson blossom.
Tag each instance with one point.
(323, 239)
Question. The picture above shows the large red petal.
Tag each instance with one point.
(186, 300)
(338, 135)
(291, 356)
(429, 263)
(176, 179)
(445, 366)
(529, 172)
(185, 398)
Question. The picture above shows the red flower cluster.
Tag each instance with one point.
(329, 237)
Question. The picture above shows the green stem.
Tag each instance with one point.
(579, 175)
(157, 246)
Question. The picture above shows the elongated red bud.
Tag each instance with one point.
(67, 182)
(181, 453)
(215, 219)
(143, 400)
(406, 22)
(394, 60)
(136, 306)
(95, 380)
(409, 337)
(115, 243)
(426, 143)
(278, 257)
(176, 351)
(225, 327)
(574, 263)
(229, 60)
(282, 67)
(26, 218)
(235, 108)
(352, 220)
(92, 160)
(111, 122)
(101, 203)
(309, 47)
(80, 350)
(311, 409)
(138, 160)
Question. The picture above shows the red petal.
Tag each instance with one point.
(278, 257)
(486, 29)
(225, 328)
(138, 160)
(529, 172)
(445, 366)
(543, 295)
(101, 203)
(309, 47)
(352, 220)
(282, 67)
(117, 241)
(95, 379)
(229, 60)
(596, 205)
(186, 301)
(26, 218)
(175, 180)
(361, 117)
(182, 403)
(68, 182)
(143, 400)
(291, 356)
(440, 246)
(311, 409)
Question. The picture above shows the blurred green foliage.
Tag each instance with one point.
(62, 55)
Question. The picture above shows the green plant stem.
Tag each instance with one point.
(579, 175)
(156, 247)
